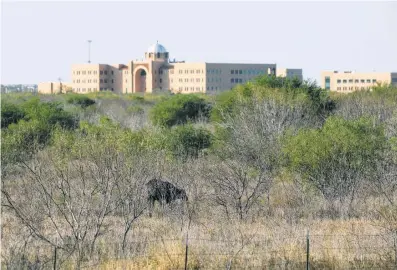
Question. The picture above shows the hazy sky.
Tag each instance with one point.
(40, 40)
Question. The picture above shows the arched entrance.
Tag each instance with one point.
(140, 80)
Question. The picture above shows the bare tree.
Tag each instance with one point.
(65, 205)
(250, 155)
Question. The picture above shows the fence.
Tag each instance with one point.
(333, 251)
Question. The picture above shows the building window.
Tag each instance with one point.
(232, 80)
(344, 81)
(101, 72)
(327, 83)
(161, 80)
(112, 81)
(106, 81)
(105, 72)
(240, 72)
(338, 81)
(101, 81)
(240, 80)
(356, 81)
(368, 80)
(373, 80)
(232, 71)
(112, 74)
(362, 81)
(351, 81)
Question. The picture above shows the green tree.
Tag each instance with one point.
(80, 100)
(10, 113)
(337, 157)
(179, 109)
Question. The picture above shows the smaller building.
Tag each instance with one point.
(53, 87)
(349, 81)
(290, 73)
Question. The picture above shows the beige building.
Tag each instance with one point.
(53, 87)
(290, 73)
(156, 72)
(348, 81)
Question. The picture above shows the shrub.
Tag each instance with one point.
(334, 158)
(188, 141)
(179, 109)
(284, 90)
(80, 100)
(10, 114)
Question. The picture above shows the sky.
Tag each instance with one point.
(41, 40)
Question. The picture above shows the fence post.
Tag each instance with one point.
(55, 258)
(307, 249)
(395, 249)
(186, 250)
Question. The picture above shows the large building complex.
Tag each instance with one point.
(157, 72)
(348, 81)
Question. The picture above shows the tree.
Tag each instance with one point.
(178, 109)
(10, 114)
(336, 157)
(248, 146)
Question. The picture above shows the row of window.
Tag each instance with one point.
(93, 81)
(235, 80)
(84, 89)
(214, 71)
(197, 88)
(352, 88)
(94, 72)
(186, 71)
(190, 88)
(357, 81)
(247, 72)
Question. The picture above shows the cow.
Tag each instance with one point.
(161, 191)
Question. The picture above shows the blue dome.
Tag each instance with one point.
(157, 48)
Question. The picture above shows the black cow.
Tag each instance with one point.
(161, 191)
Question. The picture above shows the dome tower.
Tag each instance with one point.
(157, 52)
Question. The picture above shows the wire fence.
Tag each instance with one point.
(328, 251)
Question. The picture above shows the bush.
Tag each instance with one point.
(179, 109)
(80, 100)
(188, 141)
(284, 90)
(336, 157)
(10, 114)
(23, 138)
